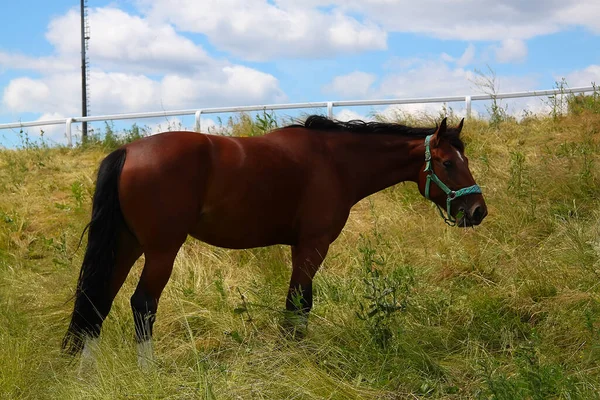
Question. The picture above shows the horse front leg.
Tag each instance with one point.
(306, 260)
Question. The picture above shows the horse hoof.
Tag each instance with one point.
(294, 325)
(145, 354)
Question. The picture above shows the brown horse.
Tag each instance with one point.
(294, 186)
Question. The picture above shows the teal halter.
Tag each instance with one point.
(450, 194)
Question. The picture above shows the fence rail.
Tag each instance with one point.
(291, 106)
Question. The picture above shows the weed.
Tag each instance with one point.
(518, 181)
(579, 104)
(558, 102)
(384, 295)
(77, 191)
(488, 83)
(263, 123)
(111, 139)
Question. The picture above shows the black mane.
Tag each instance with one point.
(319, 122)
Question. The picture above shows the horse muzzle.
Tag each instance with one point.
(472, 217)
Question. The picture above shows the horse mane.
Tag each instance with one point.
(322, 123)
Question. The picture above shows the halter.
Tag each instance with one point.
(450, 194)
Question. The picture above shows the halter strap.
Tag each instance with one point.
(450, 194)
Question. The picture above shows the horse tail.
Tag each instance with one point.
(92, 296)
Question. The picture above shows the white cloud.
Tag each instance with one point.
(584, 77)
(356, 84)
(129, 41)
(447, 57)
(260, 30)
(138, 65)
(232, 85)
(118, 92)
(435, 77)
(265, 29)
(429, 78)
(585, 13)
(348, 115)
(21, 91)
(511, 50)
(425, 78)
(467, 57)
(476, 19)
(20, 61)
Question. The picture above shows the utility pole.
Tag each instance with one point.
(85, 36)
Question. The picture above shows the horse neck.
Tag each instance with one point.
(372, 162)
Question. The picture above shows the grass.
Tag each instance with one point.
(405, 307)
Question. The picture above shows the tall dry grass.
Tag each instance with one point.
(507, 310)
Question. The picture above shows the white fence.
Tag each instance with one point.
(322, 104)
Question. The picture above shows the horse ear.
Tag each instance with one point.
(443, 126)
(439, 133)
(460, 126)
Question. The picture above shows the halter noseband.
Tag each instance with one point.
(450, 194)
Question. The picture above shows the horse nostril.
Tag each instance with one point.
(478, 214)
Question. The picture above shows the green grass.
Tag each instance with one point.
(405, 307)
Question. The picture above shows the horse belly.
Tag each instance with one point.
(240, 231)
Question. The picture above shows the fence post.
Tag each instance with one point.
(330, 109)
(468, 106)
(68, 123)
(197, 116)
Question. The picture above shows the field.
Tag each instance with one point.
(507, 310)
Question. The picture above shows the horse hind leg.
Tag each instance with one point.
(128, 251)
(144, 302)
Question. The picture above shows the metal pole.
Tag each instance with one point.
(330, 109)
(68, 123)
(84, 131)
(197, 117)
(468, 106)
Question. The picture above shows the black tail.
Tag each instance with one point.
(92, 297)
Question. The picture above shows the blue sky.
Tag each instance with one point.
(148, 55)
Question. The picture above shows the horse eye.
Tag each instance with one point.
(447, 163)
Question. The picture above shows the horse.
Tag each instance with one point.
(293, 186)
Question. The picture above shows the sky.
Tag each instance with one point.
(152, 55)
